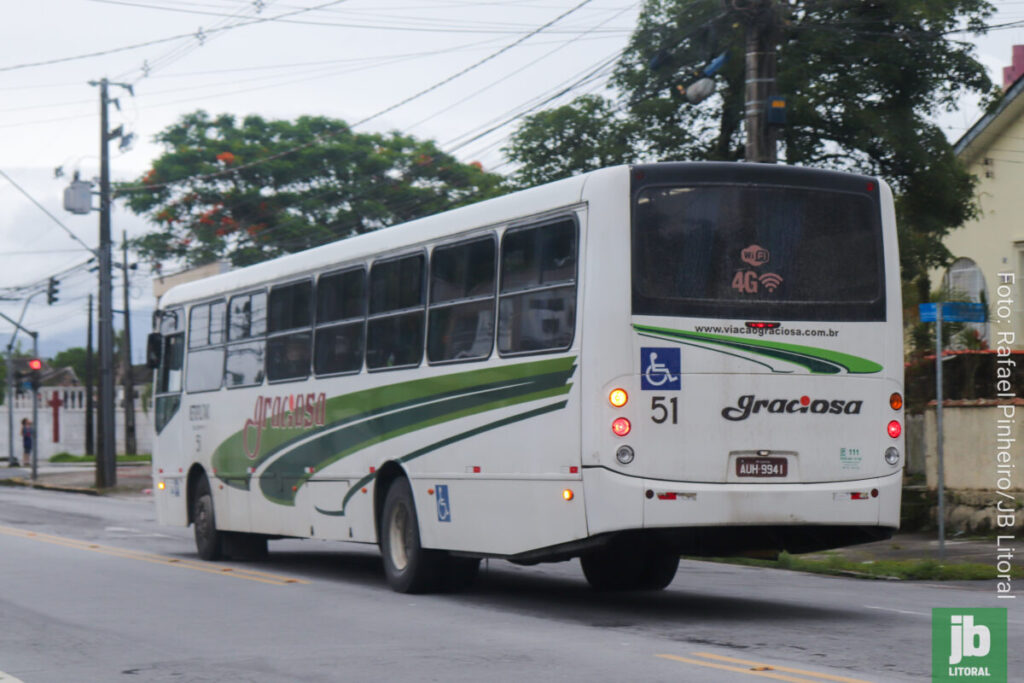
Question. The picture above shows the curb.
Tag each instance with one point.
(19, 481)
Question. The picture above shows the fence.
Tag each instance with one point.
(61, 425)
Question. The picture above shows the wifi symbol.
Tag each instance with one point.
(770, 281)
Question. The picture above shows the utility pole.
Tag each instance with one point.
(760, 18)
(127, 380)
(90, 410)
(106, 462)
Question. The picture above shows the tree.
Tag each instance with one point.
(256, 190)
(864, 82)
(73, 358)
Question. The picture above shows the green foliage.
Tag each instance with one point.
(864, 82)
(582, 136)
(75, 359)
(263, 188)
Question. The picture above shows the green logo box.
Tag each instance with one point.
(969, 644)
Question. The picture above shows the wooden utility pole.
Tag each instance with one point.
(127, 380)
(90, 409)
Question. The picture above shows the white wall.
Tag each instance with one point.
(71, 422)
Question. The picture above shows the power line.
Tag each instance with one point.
(319, 139)
(158, 41)
(42, 208)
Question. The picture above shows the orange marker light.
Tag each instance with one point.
(567, 494)
(618, 397)
(621, 426)
(161, 485)
(896, 401)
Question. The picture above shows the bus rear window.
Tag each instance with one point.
(757, 252)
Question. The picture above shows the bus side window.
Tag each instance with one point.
(394, 333)
(247, 318)
(341, 322)
(537, 308)
(461, 319)
(290, 309)
(205, 356)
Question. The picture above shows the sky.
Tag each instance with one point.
(348, 59)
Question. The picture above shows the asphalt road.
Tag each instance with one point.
(91, 589)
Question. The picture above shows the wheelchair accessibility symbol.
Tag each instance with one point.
(659, 368)
(444, 510)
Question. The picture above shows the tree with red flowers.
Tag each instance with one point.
(254, 190)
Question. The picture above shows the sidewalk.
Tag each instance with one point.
(132, 478)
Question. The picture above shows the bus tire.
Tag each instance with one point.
(622, 567)
(460, 573)
(209, 541)
(409, 567)
(661, 568)
(244, 546)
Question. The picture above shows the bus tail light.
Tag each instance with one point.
(892, 455)
(895, 429)
(618, 397)
(621, 426)
(624, 455)
(896, 400)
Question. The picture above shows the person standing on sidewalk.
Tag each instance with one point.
(26, 441)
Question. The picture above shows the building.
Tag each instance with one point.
(993, 244)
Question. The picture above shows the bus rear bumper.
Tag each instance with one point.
(657, 504)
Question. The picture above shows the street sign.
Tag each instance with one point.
(953, 312)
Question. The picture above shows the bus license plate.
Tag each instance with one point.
(761, 467)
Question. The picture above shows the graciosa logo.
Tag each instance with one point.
(294, 411)
(749, 404)
(969, 644)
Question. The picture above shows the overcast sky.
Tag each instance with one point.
(349, 59)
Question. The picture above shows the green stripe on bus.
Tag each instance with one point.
(281, 479)
(441, 444)
(231, 463)
(817, 360)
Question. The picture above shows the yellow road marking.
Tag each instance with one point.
(762, 669)
(827, 677)
(236, 572)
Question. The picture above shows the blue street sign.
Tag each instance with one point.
(953, 312)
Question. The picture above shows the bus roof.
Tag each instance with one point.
(510, 207)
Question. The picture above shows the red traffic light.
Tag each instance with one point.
(35, 364)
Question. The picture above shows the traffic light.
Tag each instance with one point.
(35, 366)
(51, 291)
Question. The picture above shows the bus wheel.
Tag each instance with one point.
(660, 570)
(244, 546)
(209, 541)
(408, 566)
(618, 567)
(459, 573)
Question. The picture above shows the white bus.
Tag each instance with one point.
(623, 366)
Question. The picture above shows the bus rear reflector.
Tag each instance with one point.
(621, 426)
(895, 429)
